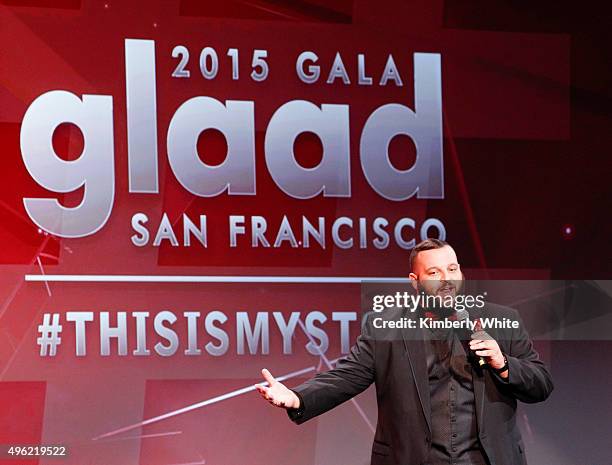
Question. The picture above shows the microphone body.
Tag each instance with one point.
(463, 315)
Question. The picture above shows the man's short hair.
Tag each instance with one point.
(427, 244)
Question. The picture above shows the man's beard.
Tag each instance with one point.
(443, 304)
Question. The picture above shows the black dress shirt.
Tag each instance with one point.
(454, 439)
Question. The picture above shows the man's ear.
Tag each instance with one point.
(414, 281)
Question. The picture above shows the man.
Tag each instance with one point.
(437, 403)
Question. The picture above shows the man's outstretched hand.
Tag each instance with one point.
(277, 393)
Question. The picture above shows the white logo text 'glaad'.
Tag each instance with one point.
(94, 169)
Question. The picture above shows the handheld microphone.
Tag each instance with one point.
(463, 315)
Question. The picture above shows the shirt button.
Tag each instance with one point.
(454, 435)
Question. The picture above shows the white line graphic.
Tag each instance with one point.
(119, 278)
(198, 405)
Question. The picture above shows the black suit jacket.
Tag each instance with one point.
(397, 366)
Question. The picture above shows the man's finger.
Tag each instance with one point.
(260, 388)
(264, 391)
(268, 376)
(483, 344)
(485, 353)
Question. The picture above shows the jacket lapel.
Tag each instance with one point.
(415, 347)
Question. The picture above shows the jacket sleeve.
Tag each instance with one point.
(528, 378)
(352, 375)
